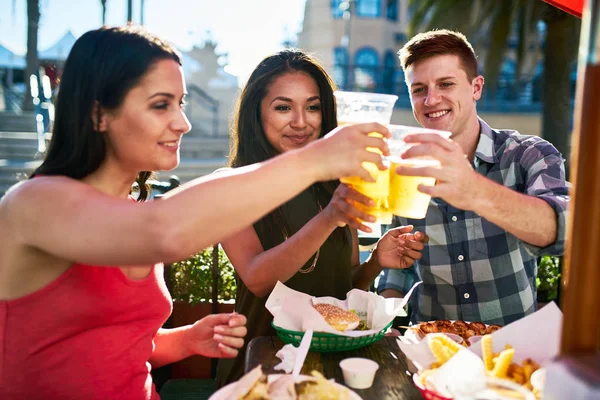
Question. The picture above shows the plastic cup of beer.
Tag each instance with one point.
(404, 198)
(359, 107)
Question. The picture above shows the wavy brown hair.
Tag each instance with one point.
(248, 142)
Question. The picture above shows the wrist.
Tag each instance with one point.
(307, 165)
(328, 220)
(185, 340)
(478, 198)
(372, 262)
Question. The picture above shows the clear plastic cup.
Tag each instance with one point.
(404, 198)
(358, 107)
(397, 144)
(359, 373)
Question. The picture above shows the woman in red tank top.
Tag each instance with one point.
(82, 298)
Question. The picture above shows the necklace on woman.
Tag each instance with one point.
(314, 262)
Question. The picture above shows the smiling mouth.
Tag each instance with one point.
(169, 144)
(437, 114)
(298, 139)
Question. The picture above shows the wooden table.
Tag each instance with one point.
(392, 381)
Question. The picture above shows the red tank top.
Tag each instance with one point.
(87, 335)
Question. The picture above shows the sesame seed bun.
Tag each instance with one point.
(337, 317)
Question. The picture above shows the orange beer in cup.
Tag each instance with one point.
(405, 199)
(358, 107)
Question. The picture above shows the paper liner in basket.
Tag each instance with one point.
(294, 311)
(536, 336)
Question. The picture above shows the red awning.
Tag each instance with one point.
(574, 7)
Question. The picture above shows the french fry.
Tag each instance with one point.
(424, 374)
(518, 378)
(517, 369)
(501, 366)
(534, 365)
(497, 365)
(507, 393)
(439, 351)
(487, 352)
(449, 343)
(527, 371)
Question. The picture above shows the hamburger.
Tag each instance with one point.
(339, 319)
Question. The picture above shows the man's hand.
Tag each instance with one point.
(457, 182)
(399, 248)
(217, 335)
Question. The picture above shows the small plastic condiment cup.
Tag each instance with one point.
(474, 339)
(538, 379)
(359, 373)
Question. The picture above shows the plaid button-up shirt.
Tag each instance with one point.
(472, 269)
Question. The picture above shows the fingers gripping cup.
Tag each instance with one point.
(358, 107)
(405, 199)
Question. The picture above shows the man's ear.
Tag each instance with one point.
(477, 87)
(99, 118)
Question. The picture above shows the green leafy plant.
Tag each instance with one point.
(548, 277)
(192, 279)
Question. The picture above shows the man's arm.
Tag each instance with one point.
(396, 282)
(536, 217)
(529, 218)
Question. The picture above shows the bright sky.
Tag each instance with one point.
(248, 30)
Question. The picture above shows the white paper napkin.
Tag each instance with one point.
(287, 355)
(293, 310)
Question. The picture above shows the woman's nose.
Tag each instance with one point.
(298, 119)
(181, 123)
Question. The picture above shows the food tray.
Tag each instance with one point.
(427, 394)
(329, 342)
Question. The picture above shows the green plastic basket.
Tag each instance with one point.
(328, 342)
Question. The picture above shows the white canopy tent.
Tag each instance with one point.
(59, 50)
(11, 60)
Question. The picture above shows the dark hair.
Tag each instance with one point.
(102, 67)
(437, 43)
(248, 142)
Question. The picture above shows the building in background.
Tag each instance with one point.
(359, 45)
(357, 41)
(212, 91)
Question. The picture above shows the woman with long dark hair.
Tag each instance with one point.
(310, 242)
(82, 294)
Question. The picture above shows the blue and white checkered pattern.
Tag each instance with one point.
(472, 269)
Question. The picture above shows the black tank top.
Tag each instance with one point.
(332, 276)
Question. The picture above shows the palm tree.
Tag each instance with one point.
(32, 62)
(493, 23)
(129, 11)
(103, 12)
